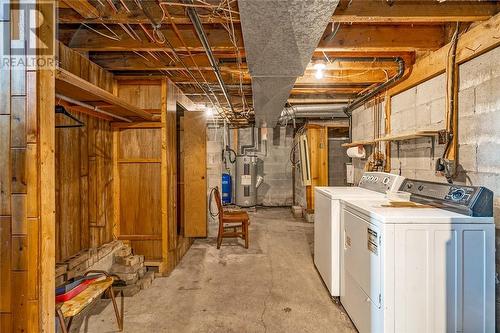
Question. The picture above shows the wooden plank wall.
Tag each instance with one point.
(139, 167)
(317, 138)
(148, 151)
(84, 170)
(26, 184)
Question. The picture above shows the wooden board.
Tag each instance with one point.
(79, 89)
(27, 183)
(317, 139)
(195, 185)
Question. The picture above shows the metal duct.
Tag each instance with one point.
(313, 111)
(269, 96)
(312, 108)
(280, 37)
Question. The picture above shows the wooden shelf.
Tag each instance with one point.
(409, 136)
(75, 87)
(358, 143)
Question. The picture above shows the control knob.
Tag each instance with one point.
(457, 194)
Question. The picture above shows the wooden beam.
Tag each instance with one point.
(376, 37)
(358, 37)
(474, 42)
(83, 7)
(128, 61)
(83, 39)
(367, 11)
(134, 17)
(426, 12)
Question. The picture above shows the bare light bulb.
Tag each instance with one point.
(319, 74)
(209, 111)
(319, 67)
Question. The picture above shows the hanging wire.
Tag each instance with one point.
(333, 33)
(114, 36)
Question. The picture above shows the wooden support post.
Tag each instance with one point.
(116, 184)
(164, 178)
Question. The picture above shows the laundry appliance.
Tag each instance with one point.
(424, 265)
(327, 230)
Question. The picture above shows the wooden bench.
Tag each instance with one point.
(95, 290)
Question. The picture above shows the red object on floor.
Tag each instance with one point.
(74, 292)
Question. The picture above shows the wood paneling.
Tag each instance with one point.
(145, 172)
(84, 169)
(77, 64)
(138, 168)
(195, 186)
(84, 186)
(317, 138)
(26, 183)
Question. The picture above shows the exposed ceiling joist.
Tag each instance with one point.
(367, 11)
(376, 11)
(83, 8)
(366, 38)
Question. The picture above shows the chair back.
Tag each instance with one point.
(218, 201)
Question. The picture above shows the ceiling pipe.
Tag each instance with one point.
(195, 19)
(364, 98)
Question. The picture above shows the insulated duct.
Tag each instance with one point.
(313, 111)
(280, 37)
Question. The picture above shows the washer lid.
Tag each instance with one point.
(382, 211)
(342, 192)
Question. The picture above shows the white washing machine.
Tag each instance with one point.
(327, 214)
(410, 267)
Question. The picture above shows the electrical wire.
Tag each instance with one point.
(210, 200)
(113, 37)
(451, 56)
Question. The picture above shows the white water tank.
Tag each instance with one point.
(246, 181)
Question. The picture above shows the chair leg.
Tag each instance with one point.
(246, 234)
(119, 317)
(219, 237)
(62, 323)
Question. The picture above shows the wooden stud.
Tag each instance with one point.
(164, 175)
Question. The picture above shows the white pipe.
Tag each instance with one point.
(91, 107)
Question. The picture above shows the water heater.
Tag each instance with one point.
(246, 181)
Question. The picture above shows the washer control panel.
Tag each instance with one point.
(380, 181)
(469, 200)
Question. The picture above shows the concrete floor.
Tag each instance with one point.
(271, 287)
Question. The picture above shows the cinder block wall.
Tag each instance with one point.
(276, 189)
(362, 129)
(423, 107)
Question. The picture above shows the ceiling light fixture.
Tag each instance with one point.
(320, 68)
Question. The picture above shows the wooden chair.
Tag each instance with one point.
(74, 306)
(231, 220)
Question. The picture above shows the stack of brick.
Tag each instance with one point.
(132, 272)
(90, 259)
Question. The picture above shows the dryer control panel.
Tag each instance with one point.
(380, 181)
(468, 200)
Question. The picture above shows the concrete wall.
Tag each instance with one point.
(274, 167)
(363, 129)
(423, 107)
